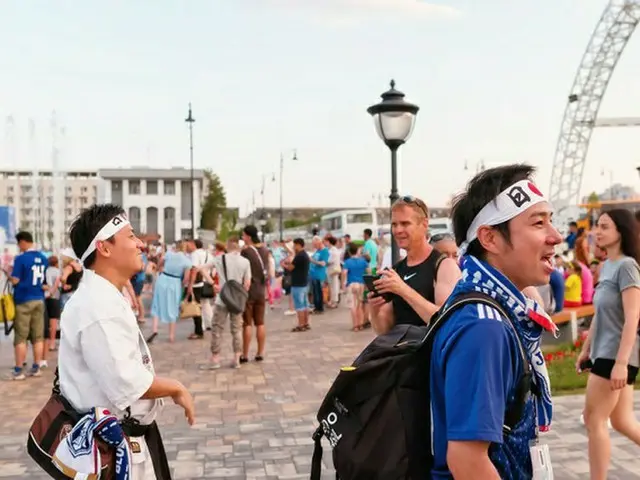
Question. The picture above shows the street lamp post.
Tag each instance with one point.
(394, 119)
(281, 222)
(190, 120)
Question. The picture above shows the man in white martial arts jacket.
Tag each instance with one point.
(104, 360)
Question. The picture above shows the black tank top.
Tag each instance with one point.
(73, 280)
(422, 279)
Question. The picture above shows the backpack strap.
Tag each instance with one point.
(524, 385)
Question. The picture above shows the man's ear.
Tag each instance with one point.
(490, 239)
(104, 248)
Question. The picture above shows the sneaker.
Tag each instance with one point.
(235, 363)
(210, 366)
(18, 374)
(44, 364)
(35, 372)
(290, 313)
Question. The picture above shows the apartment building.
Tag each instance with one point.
(42, 209)
(157, 201)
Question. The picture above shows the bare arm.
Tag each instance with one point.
(470, 460)
(448, 276)
(167, 387)
(382, 318)
(533, 294)
(631, 307)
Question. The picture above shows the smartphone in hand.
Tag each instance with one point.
(368, 281)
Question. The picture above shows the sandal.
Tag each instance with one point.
(299, 328)
(259, 358)
(306, 327)
(193, 336)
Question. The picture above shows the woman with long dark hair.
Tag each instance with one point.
(610, 352)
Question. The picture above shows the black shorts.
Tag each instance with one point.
(52, 307)
(138, 286)
(602, 368)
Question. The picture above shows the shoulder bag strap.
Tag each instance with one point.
(264, 272)
(224, 267)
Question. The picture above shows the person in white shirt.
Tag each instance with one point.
(238, 268)
(104, 361)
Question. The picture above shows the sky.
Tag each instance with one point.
(268, 76)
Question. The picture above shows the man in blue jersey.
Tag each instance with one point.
(503, 222)
(28, 276)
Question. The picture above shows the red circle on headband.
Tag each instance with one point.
(534, 189)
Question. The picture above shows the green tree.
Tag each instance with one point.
(215, 203)
(293, 223)
(228, 227)
(269, 226)
(593, 198)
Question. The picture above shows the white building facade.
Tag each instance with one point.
(157, 201)
(47, 203)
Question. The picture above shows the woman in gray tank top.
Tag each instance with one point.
(611, 350)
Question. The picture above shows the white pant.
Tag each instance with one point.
(207, 312)
(142, 465)
(334, 288)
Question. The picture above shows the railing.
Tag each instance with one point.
(571, 316)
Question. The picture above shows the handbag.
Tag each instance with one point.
(7, 306)
(207, 291)
(189, 308)
(233, 294)
(207, 288)
(54, 422)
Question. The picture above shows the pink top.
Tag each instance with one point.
(587, 285)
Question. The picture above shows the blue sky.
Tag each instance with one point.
(264, 76)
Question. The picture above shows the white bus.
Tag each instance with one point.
(440, 225)
(351, 222)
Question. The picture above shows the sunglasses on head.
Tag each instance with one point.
(439, 237)
(415, 201)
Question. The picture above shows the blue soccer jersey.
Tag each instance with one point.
(29, 268)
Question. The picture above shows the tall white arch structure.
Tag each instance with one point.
(610, 37)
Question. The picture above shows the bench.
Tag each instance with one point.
(571, 316)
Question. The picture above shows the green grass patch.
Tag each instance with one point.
(561, 364)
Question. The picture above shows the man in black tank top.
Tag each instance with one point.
(422, 281)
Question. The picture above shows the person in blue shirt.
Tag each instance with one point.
(504, 224)
(318, 273)
(573, 236)
(556, 282)
(28, 277)
(355, 267)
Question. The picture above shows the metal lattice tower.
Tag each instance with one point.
(607, 43)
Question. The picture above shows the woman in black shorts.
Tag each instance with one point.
(52, 303)
(611, 351)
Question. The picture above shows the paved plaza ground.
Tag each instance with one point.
(256, 422)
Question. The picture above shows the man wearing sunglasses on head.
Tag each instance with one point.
(421, 282)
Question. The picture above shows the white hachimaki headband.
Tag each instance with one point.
(112, 227)
(510, 203)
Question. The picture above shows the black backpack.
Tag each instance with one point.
(376, 415)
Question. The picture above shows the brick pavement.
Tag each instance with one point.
(256, 422)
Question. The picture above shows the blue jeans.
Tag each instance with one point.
(318, 300)
(300, 296)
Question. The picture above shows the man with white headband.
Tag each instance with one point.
(104, 361)
(490, 392)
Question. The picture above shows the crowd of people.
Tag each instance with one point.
(502, 227)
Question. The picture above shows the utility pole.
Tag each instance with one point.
(190, 120)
